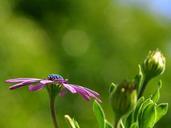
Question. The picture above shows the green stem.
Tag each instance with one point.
(122, 125)
(117, 123)
(53, 112)
(144, 85)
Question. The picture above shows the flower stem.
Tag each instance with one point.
(117, 123)
(144, 85)
(53, 112)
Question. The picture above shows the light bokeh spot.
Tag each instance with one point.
(76, 43)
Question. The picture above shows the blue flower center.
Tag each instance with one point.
(54, 76)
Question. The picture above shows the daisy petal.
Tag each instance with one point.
(20, 85)
(89, 90)
(46, 81)
(83, 93)
(21, 80)
(86, 93)
(70, 88)
(36, 87)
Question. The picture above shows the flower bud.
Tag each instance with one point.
(154, 64)
(123, 99)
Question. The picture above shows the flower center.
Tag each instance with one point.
(54, 77)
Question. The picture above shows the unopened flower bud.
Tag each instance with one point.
(123, 99)
(154, 64)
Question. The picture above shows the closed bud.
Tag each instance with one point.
(123, 99)
(154, 64)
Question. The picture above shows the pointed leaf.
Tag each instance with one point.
(155, 97)
(107, 124)
(138, 108)
(139, 79)
(76, 123)
(161, 110)
(112, 88)
(70, 122)
(134, 125)
(149, 116)
(129, 120)
(100, 116)
(143, 107)
(121, 124)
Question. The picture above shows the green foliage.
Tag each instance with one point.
(156, 96)
(72, 123)
(134, 125)
(147, 111)
(100, 116)
(139, 79)
(99, 113)
(112, 88)
(161, 109)
(123, 99)
(148, 117)
(108, 124)
(138, 108)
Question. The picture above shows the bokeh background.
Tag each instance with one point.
(92, 43)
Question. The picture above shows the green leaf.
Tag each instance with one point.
(107, 124)
(121, 124)
(129, 120)
(133, 117)
(99, 113)
(112, 88)
(161, 110)
(142, 107)
(149, 116)
(139, 79)
(155, 97)
(134, 125)
(76, 124)
(71, 122)
(138, 108)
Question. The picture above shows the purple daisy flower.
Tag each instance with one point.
(35, 84)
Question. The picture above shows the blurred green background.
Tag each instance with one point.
(92, 43)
